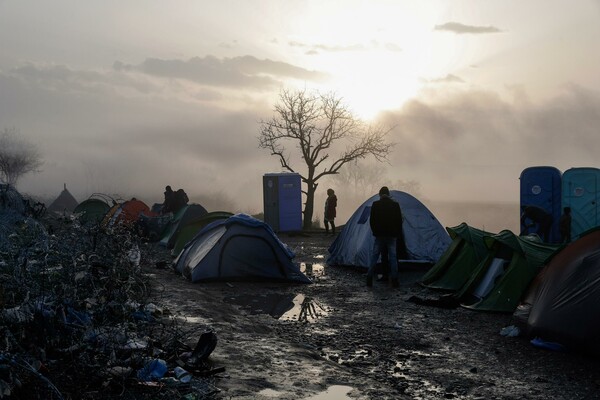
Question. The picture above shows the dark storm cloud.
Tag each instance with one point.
(61, 77)
(246, 71)
(459, 28)
(479, 128)
(104, 140)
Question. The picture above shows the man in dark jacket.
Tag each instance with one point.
(386, 226)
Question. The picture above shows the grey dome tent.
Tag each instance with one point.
(239, 248)
(563, 304)
(424, 236)
(65, 202)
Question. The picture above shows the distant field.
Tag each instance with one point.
(491, 217)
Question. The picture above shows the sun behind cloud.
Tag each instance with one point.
(375, 54)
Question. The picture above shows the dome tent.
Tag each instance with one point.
(181, 218)
(499, 281)
(239, 248)
(190, 229)
(424, 236)
(92, 210)
(563, 304)
(65, 202)
(460, 260)
(126, 213)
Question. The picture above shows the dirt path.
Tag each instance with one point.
(360, 343)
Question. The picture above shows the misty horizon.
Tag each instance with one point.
(174, 95)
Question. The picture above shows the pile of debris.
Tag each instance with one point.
(77, 320)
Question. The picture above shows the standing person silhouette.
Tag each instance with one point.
(330, 211)
(564, 225)
(167, 205)
(386, 226)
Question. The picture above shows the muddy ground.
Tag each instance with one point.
(338, 339)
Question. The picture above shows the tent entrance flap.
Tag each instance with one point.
(496, 269)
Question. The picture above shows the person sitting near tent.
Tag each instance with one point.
(386, 225)
(167, 205)
(330, 205)
(180, 200)
(564, 225)
(539, 217)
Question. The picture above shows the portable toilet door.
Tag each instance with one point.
(282, 196)
(580, 192)
(541, 187)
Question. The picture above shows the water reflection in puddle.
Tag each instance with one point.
(270, 393)
(190, 320)
(312, 269)
(336, 392)
(285, 307)
(306, 309)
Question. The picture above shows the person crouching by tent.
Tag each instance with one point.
(330, 206)
(386, 225)
(538, 216)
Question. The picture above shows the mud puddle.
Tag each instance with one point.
(283, 307)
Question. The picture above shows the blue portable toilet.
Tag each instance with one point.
(541, 187)
(282, 196)
(580, 192)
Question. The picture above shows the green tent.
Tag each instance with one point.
(499, 281)
(459, 261)
(181, 218)
(190, 229)
(91, 211)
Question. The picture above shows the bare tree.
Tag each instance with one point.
(17, 156)
(360, 179)
(316, 124)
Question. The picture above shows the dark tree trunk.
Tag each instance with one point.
(310, 204)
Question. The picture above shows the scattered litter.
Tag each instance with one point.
(183, 375)
(76, 300)
(510, 331)
(538, 342)
(153, 370)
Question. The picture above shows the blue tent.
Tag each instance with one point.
(425, 238)
(541, 187)
(581, 192)
(238, 248)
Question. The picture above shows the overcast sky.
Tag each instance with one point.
(125, 97)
